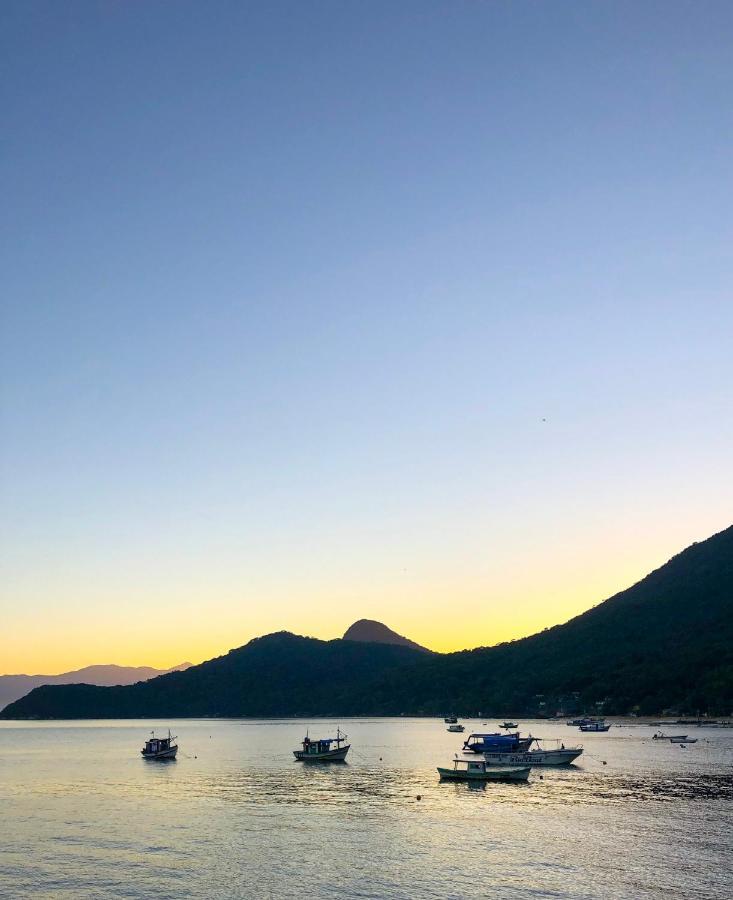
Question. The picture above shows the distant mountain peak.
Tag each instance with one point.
(369, 631)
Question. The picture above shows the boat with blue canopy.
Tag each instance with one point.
(497, 743)
(322, 749)
(160, 748)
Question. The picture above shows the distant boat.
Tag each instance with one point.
(496, 742)
(479, 770)
(450, 720)
(682, 740)
(586, 720)
(455, 728)
(675, 738)
(508, 725)
(560, 756)
(160, 748)
(321, 749)
(595, 726)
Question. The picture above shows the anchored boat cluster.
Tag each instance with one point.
(504, 757)
(485, 757)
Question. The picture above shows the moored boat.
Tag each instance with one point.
(160, 748)
(459, 729)
(321, 749)
(450, 720)
(508, 725)
(538, 756)
(480, 770)
(677, 738)
(595, 726)
(496, 742)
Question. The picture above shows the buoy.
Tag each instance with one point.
(603, 761)
(419, 797)
(542, 777)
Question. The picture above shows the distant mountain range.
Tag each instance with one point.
(666, 642)
(14, 686)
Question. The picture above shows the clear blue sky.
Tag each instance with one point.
(314, 311)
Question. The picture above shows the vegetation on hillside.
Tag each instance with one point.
(665, 643)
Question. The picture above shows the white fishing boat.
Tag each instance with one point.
(160, 748)
(456, 729)
(321, 750)
(595, 726)
(538, 755)
(480, 770)
(682, 740)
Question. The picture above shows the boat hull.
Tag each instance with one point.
(170, 753)
(534, 758)
(328, 756)
(498, 774)
(593, 729)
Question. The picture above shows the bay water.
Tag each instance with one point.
(82, 815)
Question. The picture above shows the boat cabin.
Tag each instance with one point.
(469, 765)
(497, 743)
(323, 745)
(157, 745)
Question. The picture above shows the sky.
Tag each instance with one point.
(419, 312)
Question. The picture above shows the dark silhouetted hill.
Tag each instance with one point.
(666, 642)
(369, 631)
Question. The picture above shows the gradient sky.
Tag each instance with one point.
(416, 311)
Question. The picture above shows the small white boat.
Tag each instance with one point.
(160, 748)
(675, 738)
(594, 727)
(456, 729)
(480, 770)
(508, 725)
(682, 740)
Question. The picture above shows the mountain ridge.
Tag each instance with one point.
(665, 642)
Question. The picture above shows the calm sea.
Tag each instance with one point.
(83, 816)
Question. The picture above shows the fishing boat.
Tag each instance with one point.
(676, 738)
(508, 725)
(455, 728)
(496, 742)
(480, 770)
(160, 748)
(586, 720)
(450, 720)
(682, 740)
(321, 749)
(595, 726)
(537, 756)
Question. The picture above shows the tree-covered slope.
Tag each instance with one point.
(279, 674)
(665, 642)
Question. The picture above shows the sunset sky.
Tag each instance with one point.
(419, 312)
